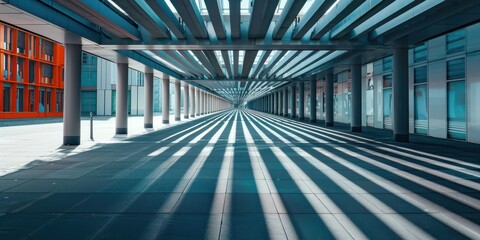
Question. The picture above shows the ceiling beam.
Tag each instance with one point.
(214, 9)
(185, 65)
(387, 14)
(101, 15)
(228, 64)
(162, 10)
(214, 61)
(261, 63)
(366, 12)
(186, 55)
(303, 56)
(248, 60)
(204, 60)
(316, 11)
(272, 63)
(234, 18)
(143, 17)
(261, 18)
(190, 14)
(285, 60)
(289, 13)
(337, 14)
(235, 64)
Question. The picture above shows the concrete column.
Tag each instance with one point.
(121, 116)
(166, 99)
(329, 99)
(285, 102)
(148, 115)
(356, 121)
(71, 108)
(202, 102)
(177, 100)
(313, 101)
(293, 101)
(301, 100)
(186, 101)
(400, 95)
(272, 103)
(192, 101)
(280, 102)
(197, 102)
(275, 103)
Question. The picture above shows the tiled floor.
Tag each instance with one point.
(249, 175)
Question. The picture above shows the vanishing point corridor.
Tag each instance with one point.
(242, 174)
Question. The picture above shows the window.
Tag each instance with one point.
(41, 103)
(420, 53)
(7, 37)
(420, 74)
(89, 102)
(59, 101)
(31, 71)
(456, 69)
(456, 110)
(456, 96)
(20, 96)
(47, 73)
(31, 99)
(6, 97)
(420, 100)
(6, 67)
(387, 101)
(387, 64)
(377, 67)
(456, 42)
(20, 69)
(20, 42)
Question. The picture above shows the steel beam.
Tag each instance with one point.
(162, 10)
(316, 11)
(289, 13)
(191, 16)
(261, 18)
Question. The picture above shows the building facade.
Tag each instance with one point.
(31, 79)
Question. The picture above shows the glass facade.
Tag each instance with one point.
(89, 103)
(31, 68)
(456, 105)
(420, 100)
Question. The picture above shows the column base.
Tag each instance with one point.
(197, 114)
(186, 117)
(71, 140)
(401, 137)
(192, 115)
(177, 119)
(148, 125)
(329, 124)
(313, 120)
(121, 131)
(356, 129)
(301, 118)
(165, 121)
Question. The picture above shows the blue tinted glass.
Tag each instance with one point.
(420, 74)
(421, 109)
(456, 110)
(456, 69)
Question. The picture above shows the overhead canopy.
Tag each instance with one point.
(242, 49)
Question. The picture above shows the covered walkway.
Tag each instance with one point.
(242, 174)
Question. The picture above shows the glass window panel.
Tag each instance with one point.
(420, 109)
(387, 107)
(456, 42)
(89, 102)
(377, 67)
(6, 97)
(420, 53)
(420, 74)
(456, 69)
(456, 110)
(31, 99)
(41, 103)
(20, 96)
(387, 80)
(20, 66)
(387, 64)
